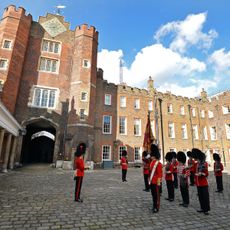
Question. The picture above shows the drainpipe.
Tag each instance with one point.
(162, 132)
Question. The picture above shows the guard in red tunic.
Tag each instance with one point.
(155, 177)
(201, 175)
(183, 174)
(79, 170)
(146, 168)
(124, 165)
(218, 168)
(191, 166)
(169, 177)
(175, 164)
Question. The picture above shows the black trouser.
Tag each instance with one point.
(78, 187)
(219, 183)
(191, 178)
(146, 179)
(170, 188)
(203, 195)
(124, 172)
(155, 195)
(175, 180)
(185, 194)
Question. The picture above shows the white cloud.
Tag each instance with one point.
(188, 32)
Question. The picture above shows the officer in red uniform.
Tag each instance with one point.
(146, 168)
(218, 168)
(191, 166)
(155, 177)
(79, 170)
(169, 177)
(175, 164)
(124, 165)
(201, 175)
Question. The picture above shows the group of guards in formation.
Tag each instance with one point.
(177, 173)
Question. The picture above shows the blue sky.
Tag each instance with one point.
(183, 44)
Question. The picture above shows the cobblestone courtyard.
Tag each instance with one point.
(40, 197)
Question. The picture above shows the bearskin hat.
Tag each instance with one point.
(198, 154)
(173, 154)
(181, 157)
(169, 156)
(189, 154)
(81, 148)
(124, 153)
(216, 157)
(155, 151)
(144, 154)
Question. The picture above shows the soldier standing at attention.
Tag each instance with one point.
(124, 165)
(146, 168)
(175, 164)
(218, 168)
(155, 177)
(191, 166)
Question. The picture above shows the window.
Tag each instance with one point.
(106, 152)
(137, 127)
(210, 114)
(171, 130)
(172, 149)
(137, 154)
(227, 127)
(195, 132)
(122, 101)
(213, 133)
(205, 133)
(1, 85)
(107, 99)
(193, 112)
(182, 110)
(107, 123)
(202, 113)
(137, 104)
(82, 114)
(83, 96)
(44, 98)
(153, 127)
(7, 44)
(48, 65)
(86, 63)
(121, 148)
(184, 131)
(122, 125)
(51, 46)
(150, 105)
(226, 109)
(170, 108)
(3, 64)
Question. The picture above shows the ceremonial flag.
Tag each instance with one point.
(148, 137)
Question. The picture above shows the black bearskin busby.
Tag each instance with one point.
(124, 153)
(216, 157)
(81, 148)
(173, 154)
(181, 157)
(155, 152)
(198, 154)
(144, 154)
(189, 154)
(169, 156)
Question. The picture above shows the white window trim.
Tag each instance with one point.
(186, 133)
(196, 131)
(82, 119)
(7, 63)
(211, 133)
(55, 41)
(86, 96)
(173, 136)
(140, 160)
(202, 113)
(182, 113)
(88, 65)
(170, 108)
(138, 135)
(121, 146)
(124, 103)
(205, 134)
(150, 108)
(110, 124)
(193, 112)
(226, 129)
(11, 44)
(137, 106)
(210, 114)
(125, 126)
(50, 58)
(109, 153)
(110, 99)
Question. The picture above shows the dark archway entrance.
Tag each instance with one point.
(38, 144)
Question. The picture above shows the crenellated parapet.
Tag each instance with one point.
(86, 30)
(13, 12)
(132, 90)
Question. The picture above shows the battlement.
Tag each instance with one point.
(84, 29)
(12, 11)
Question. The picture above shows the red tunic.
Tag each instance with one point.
(169, 168)
(218, 168)
(124, 163)
(175, 164)
(157, 176)
(79, 166)
(201, 175)
(191, 165)
(146, 166)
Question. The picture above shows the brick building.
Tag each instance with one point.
(51, 85)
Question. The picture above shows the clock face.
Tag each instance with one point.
(53, 27)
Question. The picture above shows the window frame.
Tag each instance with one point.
(123, 103)
(125, 125)
(110, 125)
(109, 153)
(173, 128)
(110, 99)
(137, 103)
(51, 59)
(11, 44)
(120, 149)
(6, 61)
(139, 153)
(137, 125)
(86, 96)
(53, 42)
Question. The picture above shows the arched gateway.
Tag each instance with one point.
(39, 142)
